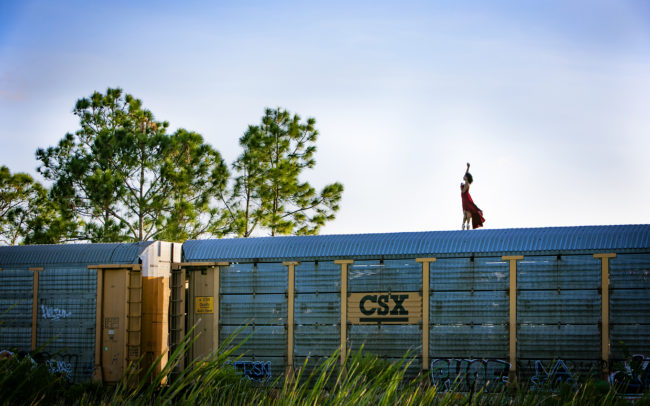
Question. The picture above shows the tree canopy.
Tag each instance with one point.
(26, 213)
(267, 190)
(122, 177)
(125, 179)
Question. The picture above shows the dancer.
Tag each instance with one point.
(470, 210)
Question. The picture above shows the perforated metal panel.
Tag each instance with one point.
(630, 271)
(566, 342)
(565, 272)
(16, 290)
(564, 306)
(629, 339)
(465, 274)
(316, 340)
(258, 309)
(254, 278)
(466, 307)
(321, 276)
(390, 341)
(464, 341)
(66, 318)
(322, 308)
(383, 276)
(257, 341)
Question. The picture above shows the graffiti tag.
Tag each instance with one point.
(53, 313)
(61, 368)
(464, 374)
(634, 377)
(257, 371)
(556, 374)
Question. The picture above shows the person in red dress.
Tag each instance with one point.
(470, 210)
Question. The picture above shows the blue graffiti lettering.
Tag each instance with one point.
(257, 371)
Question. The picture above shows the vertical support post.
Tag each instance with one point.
(35, 306)
(344, 306)
(204, 301)
(98, 373)
(604, 286)
(426, 291)
(513, 313)
(177, 331)
(217, 302)
(291, 295)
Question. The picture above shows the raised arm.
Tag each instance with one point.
(467, 170)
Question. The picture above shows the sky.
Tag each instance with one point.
(548, 100)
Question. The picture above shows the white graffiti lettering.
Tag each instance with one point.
(60, 368)
(53, 313)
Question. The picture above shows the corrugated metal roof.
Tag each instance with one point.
(582, 239)
(91, 254)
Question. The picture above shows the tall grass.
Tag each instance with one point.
(364, 380)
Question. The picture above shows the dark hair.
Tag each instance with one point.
(469, 177)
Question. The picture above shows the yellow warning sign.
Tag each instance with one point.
(204, 304)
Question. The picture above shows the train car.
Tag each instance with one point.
(533, 304)
(86, 310)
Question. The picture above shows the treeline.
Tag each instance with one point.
(122, 177)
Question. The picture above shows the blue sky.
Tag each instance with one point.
(549, 100)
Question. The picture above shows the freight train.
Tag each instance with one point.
(532, 304)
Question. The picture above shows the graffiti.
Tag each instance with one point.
(5, 354)
(60, 368)
(469, 374)
(257, 371)
(556, 374)
(53, 313)
(62, 365)
(634, 377)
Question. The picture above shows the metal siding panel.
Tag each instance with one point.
(463, 274)
(564, 342)
(629, 339)
(16, 291)
(629, 306)
(236, 278)
(462, 341)
(321, 276)
(322, 308)
(391, 275)
(570, 272)
(553, 306)
(392, 341)
(316, 341)
(67, 303)
(479, 307)
(258, 309)
(254, 278)
(630, 271)
(257, 341)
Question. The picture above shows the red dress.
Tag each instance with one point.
(468, 205)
